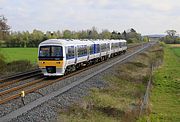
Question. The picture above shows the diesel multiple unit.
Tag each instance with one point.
(60, 56)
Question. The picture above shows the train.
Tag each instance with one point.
(57, 57)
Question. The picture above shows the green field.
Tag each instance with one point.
(165, 97)
(12, 54)
(176, 51)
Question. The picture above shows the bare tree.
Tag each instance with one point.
(172, 34)
(4, 28)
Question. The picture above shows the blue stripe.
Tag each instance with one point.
(70, 57)
(94, 49)
(82, 55)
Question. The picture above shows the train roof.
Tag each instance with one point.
(67, 42)
(64, 42)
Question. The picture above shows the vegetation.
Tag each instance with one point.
(175, 45)
(4, 28)
(14, 60)
(165, 97)
(15, 54)
(14, 67)
(121, 100)
(2, 62)
(27, 39)
(176, 51)
(171, 37)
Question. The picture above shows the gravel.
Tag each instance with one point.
(16, 103)
(49, 111)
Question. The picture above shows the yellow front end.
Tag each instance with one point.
(51, 67)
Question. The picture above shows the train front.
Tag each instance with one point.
(51, 60)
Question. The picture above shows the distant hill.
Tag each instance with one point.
(156, 35)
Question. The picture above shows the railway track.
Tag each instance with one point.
(6, 84)
(19, 76)
(29, 87)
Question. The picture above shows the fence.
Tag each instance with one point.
(145, 103)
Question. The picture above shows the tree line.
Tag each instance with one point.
(32, 39)
(171, 37)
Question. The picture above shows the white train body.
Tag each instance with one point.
(57, 56)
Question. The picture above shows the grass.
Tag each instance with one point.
(14, 60)
(121, 100)
(176, 51)
(174, 45)
(165, 96)
(14, 54)
(108, 105)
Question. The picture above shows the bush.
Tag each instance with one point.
(133, 40)
(162, 43)
(2, 63)
(19, 66)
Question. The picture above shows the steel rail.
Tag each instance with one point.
(5, 84)
(21, 86)
(2, 79)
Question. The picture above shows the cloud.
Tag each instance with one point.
(160, 5)
(147, 16)
(2, 1)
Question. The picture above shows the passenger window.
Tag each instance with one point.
(113, 45)
(108, 46)
(119, 44)
(103, 47)
(92, 49)
(82, 50)
(70, 52)
(98, 48)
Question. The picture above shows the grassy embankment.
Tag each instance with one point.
(14, 54)
(13, 60)
(165, 97)
(121, 100)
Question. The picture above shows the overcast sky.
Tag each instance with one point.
(145, 16)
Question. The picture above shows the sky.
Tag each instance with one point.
(145, 16)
